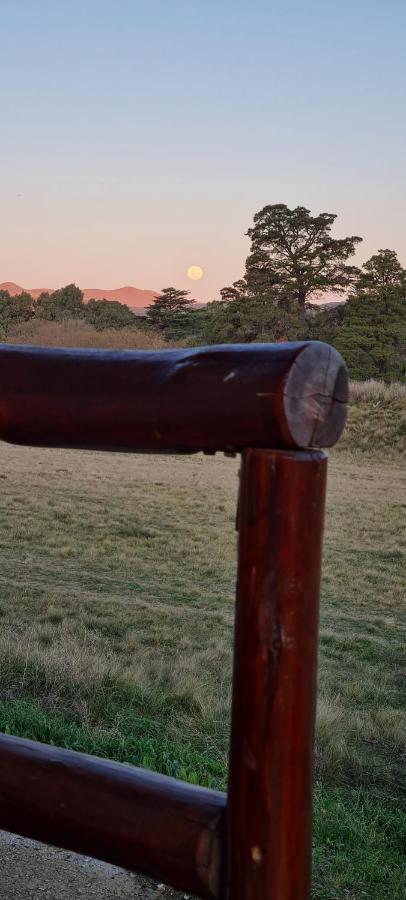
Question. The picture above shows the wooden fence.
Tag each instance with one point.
(277, 405)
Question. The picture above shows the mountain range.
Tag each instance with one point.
(132, 296)
(138, 299)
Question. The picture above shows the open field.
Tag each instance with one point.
(117, 581)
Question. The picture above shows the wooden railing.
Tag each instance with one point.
(277, 405)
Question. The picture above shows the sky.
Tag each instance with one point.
(140, 138)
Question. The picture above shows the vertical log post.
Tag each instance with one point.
(274, 689)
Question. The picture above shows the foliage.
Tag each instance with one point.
(372, 334)
(66, 303)
(381, 271)
(322, 321)
(258, 283)
(14, 310)
(369, 329)
(294, 250)
(170, 312)
(243, 320)
(109, 314)
(292, 258)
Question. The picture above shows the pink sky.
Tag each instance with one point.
(135, 144)
(53, 237)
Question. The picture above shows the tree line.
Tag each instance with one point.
(293, 261)
(65, 303)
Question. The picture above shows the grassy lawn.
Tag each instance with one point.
(116, 606)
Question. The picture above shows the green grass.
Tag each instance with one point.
(359, 839)
(136, 739)
(116, 609)
(359, 843)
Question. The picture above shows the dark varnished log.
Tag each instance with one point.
(136, 819)
(270, 779)
(210, 398)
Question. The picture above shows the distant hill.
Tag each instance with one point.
(132, 296)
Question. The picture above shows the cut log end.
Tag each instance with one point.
(315, 397)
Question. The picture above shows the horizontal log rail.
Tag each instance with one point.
(228, 397)
(144, 822)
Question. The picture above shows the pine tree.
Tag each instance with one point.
(293, 252)
(169, 309)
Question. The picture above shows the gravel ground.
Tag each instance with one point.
(31, 871)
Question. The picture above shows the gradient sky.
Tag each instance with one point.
(138, 138)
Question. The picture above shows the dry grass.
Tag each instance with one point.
(117, 585)
(122, 568)
(361, 391)
(76, 333)
(376, 424)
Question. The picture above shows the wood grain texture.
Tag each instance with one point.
(136, 819)
(274, 689)
(210, 398)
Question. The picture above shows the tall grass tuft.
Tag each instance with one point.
(376, 390)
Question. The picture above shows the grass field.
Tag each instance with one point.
(117, 581)
(77, 333)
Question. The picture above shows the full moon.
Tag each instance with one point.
(195, 273)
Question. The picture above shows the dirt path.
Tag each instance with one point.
(31, 871)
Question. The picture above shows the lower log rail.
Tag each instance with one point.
(144, 822)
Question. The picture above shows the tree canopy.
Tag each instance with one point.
(293, 258)
(169, 310)
(295, 252)
(245, 319)
(14, 310)
(372, 334)
(66, 303)
(383, 270)
(109, 314)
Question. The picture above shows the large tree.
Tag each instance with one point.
(294, 252)
(169, 309)
(383, 270)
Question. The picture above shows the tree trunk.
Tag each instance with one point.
(301, 295)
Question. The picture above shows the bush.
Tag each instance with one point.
(372, 336)
(104, 314)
